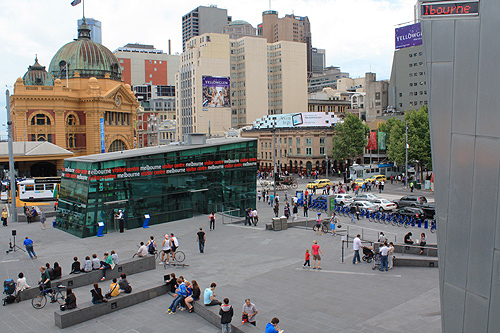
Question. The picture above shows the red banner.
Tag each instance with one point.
(372, 142)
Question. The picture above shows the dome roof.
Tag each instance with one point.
(37, 76)
(88, 58)
(239, 22)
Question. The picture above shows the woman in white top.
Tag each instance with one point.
(21, 283)
(166, 249)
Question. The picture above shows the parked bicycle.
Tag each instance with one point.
(55, 295)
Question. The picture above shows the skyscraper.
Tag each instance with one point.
(95, 29)
(203, 20)
(289, 28)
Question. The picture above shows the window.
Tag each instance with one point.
(290, 151)
(322, 150)
(71, 120)
(309, 151)
(309, 141)
(298, 141)
(117, 145)
(285, 141)
(322, 140)
(39, 187)
(298, 151)
(40, 119)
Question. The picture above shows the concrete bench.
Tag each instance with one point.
(430, 250)
(22, 217)
(211, 314)
(127, 266)
(88, 311)
(416, 262)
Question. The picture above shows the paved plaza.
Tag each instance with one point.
(245, 262)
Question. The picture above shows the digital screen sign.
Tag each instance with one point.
(449, 8)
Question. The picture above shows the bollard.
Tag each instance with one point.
(419, 223)
(426, 224)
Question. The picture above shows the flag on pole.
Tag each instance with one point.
(381, 141)
(75, 2)
(372, 142)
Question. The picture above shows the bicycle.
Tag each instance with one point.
(433, 226)
(178, 258)
(55, 295)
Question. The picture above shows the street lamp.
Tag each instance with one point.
(209, 135)
(12, 175)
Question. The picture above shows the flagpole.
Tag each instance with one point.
(83, 8)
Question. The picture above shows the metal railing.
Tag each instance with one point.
(347, 242)
(369, 233)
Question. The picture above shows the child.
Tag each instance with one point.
(308, 261)
(226, 315)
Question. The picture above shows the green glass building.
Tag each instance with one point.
(169, 183)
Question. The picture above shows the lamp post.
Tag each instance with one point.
(209, 135)
(406, 150)
(326, 152)
(274, 156)
(12, 175)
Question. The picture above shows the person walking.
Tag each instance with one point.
(384, 252)
(306, 208)
(308, 259)
(166, 249)
(201, 240)
(411, 186)
(211, 217)
(356, 245)
(316, 251)
(352, 211)
(295, 211)
(226, 316)
(5, 215)
(390, 259)
(249, 312)
(28, 244)
(42, 218)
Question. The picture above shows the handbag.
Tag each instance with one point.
(244, 318)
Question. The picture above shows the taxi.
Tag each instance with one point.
(319, 183)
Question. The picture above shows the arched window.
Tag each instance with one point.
(40, 119)
(117, 145)
(71, 120)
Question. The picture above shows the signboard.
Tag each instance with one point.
(216, 92)
(155, 170)
(372, 142)
(103, 144)
(381, 141)
(449, 8)
(407, 36)
(303, 119)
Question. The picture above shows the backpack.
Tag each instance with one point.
(151, 247)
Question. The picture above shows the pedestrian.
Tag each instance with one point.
(28, 243)
(166, 249)
(381, 186)
(121, 220)
(201, 240)
(174, 244)
(276, 209)
(356, 245)
(211, 217)
(249, 312)
(5, 215)
(316, 251)
(55, 205)
(384, 252)
(42, 218)
(381, 238)
(226, 315)
(273, 327)
(248, 216)
(295, 212)
(308, 259)
(422, 242)
(26, 210)
(391, 255)
(352, 211)
(412, 186)
(334, 221)
(318, 224)
(306, 208)
(259, 195)
(392, 179)
(286, 211)
(255, 217)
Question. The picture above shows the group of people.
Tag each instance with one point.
(116, 287)
(316, 251)
(251, 216)
(30, 214)
(169, 245)
(423, 240)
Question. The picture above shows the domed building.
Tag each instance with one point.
(239, 28)
(81, 103)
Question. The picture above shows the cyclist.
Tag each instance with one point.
(166, 249)
(174, 244)
(45, 282)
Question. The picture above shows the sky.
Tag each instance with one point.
(358, 35)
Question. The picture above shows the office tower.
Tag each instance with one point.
(318, 60)
(289, 28)
(95, 29)
(203, 20)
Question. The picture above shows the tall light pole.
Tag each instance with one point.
(209, 135)
(406, 158)
(274, 155)
(12, 176)
(326, 152)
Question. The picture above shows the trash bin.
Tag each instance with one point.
(284, 223)
(277, 224)
(418, 186)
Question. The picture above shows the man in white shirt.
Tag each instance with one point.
(143, 250)
(356, 245)
(384, 250)
(174, 244)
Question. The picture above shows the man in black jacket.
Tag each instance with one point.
(226, 315)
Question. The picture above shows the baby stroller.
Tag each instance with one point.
(367, 254)
(9, 289)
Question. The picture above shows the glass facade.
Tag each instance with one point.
(173, 183)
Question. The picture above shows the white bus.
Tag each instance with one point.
(39, 189)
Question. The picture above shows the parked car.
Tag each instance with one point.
(319, 183)
(365, 205)
(417, 213)
(411, 200)
(429, 210)
(384, 204)
(343, 199)
(365, 197)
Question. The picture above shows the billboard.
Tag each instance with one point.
(302, 119)
(216, 92)
(407, 36)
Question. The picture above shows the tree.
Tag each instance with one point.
(350, 138)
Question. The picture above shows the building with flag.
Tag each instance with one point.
(80, 104)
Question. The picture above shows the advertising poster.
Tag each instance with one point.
(302, 119)
(216, 92)
(381, 141)
(372, 142)
(407, 36)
